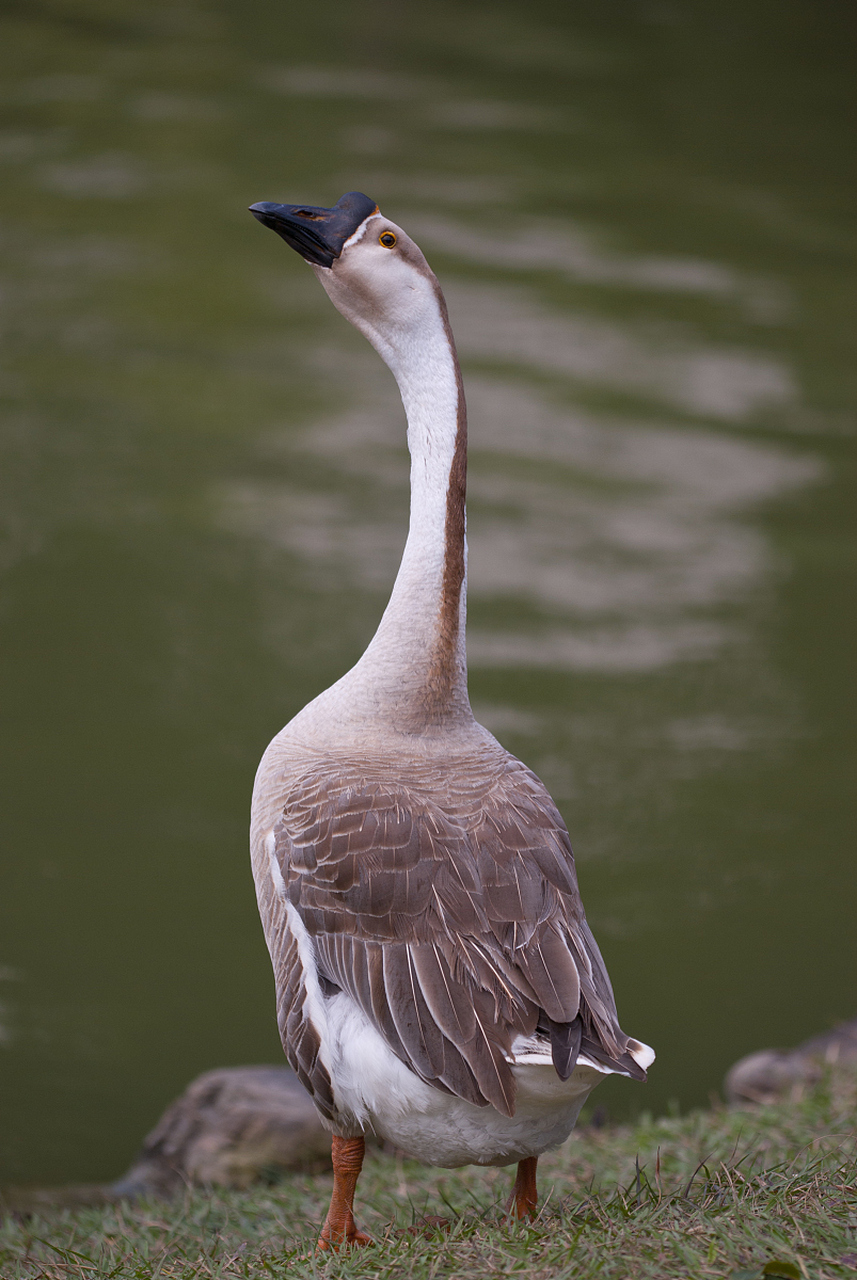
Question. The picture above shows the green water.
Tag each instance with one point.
(642, 215)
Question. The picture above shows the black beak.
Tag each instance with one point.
(317, 234)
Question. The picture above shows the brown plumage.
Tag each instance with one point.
(450, 916)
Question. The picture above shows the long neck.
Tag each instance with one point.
(414, 671)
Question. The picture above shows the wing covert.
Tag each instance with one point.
(454, 927)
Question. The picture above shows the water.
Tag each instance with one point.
(641, 218)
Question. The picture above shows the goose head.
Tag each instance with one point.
(371, 269)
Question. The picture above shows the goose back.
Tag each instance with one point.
(444, 901)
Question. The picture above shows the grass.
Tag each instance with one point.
(739, 1193)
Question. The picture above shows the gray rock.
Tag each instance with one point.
(773, 1074)
(230, 1128)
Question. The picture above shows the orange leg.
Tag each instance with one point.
(339, 1228)
(524, 1197)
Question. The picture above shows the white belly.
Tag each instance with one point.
(379, 1094)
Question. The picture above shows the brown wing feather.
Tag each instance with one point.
(451, 917)
(300, 1039)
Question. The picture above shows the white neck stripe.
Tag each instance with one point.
(361, 230)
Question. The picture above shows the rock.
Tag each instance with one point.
(230, 1128)
(772, 1074)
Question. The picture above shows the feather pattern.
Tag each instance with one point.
(448, 913)
(298, 1032)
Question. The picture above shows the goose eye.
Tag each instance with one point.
(387, 239)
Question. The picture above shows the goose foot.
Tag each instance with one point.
(340, 1230)
(341, 1235)
(524, 1199)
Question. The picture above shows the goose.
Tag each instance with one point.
(437, 984)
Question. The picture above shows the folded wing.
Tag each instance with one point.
(452, 919)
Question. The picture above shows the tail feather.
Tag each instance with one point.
(565, 1038)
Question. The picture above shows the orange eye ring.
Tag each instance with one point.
(387, 239)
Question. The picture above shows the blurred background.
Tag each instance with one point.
(642, 216)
